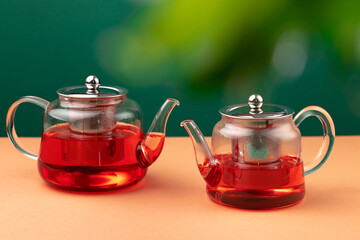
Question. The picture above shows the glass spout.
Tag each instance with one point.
(150, 147)
(209, 167)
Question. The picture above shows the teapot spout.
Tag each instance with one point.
(150, 147)
(209, 167)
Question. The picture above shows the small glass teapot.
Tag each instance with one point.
(255, 162)
(92, 137)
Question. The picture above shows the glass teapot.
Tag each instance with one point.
(92, 137)
(255, 162)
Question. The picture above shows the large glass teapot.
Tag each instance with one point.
(92, 137)
(255, 161)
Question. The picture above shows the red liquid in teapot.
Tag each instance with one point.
(258, 186)
(92, 162)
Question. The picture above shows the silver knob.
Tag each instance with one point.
(92, 83)
(255, 103)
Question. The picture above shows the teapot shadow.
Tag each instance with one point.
(318, 198)
(121, 190)
(148, 183)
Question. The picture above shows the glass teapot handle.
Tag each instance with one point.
(328, 140)
(10, 126)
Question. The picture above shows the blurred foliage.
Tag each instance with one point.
(205, 53)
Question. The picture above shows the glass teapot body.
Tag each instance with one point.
(259, 159)
(90, 145)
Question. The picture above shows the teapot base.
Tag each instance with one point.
(84, 178)
(257, 199)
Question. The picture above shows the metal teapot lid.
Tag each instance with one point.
(256, 109)
(92, 89)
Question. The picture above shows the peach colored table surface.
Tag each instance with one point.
(171, 202)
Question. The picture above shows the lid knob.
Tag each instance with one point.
(255, 103)
(92, 83)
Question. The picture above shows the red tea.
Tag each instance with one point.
(257, 186)
(93, 161)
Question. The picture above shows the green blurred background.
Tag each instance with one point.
(207, 54)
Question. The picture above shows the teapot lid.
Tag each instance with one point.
(92, 89)
(256, 109)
